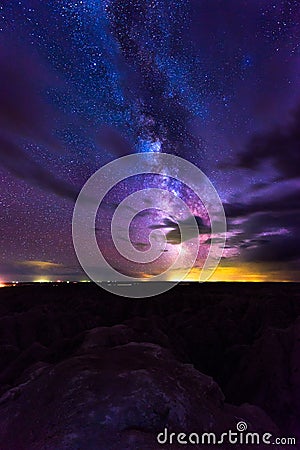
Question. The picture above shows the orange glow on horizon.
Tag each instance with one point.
(42, 280)
(244, 272)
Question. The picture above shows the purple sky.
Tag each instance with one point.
(215, 82)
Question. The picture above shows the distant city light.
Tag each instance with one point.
(42, 280)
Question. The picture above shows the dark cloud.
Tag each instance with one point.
(22, 109)
(278, 248)
(18, 162)
(280, 148)
(111, 140)
(269, 226)
(35, 267)
(272, 222)
(27, 118)
(214, 241)
(165, 223)
(268, 236)
(174, 236)
(252, 243)
(289, 201)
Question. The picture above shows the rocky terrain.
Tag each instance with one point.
(83, 369)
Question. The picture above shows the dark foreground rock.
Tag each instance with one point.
(80, 371)
(116, 398)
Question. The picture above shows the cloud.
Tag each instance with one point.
(289, 201)
(26, 117)
(113, 141)
(174, 236)
(276, 248)
(43, 265)
(30, 267)
(266, 225)
(214, 241)
(35, 267)
(280, 148)
(270, 231)
(14, 158)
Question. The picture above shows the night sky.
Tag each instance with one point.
(213, 81)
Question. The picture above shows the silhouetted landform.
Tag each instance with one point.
(84, 369)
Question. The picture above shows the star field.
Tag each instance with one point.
(85, 82)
